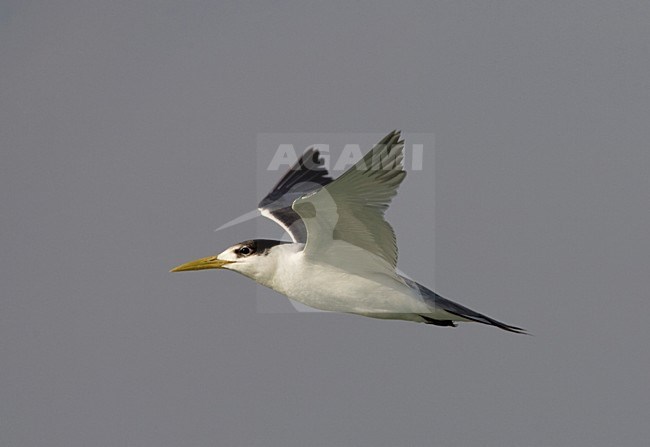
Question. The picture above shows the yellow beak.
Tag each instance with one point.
(211, 262)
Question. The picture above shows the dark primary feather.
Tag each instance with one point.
(306, 175)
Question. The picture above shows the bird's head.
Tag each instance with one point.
(251, 258)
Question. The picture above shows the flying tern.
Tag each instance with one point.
(343, 254)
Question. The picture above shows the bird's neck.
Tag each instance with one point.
(269, 269)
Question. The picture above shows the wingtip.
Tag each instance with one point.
(516, 330)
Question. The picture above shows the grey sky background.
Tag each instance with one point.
(128, 132)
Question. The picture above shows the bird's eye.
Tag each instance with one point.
(244, 251)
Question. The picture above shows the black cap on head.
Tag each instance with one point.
(258, 246)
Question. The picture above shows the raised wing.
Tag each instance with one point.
(307, 175)
(351, 208)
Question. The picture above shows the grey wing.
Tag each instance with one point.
(465, 313)
(351, 208)
(306, 175)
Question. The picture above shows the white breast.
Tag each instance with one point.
(326, 287)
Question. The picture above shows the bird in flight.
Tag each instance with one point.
(343, 254)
